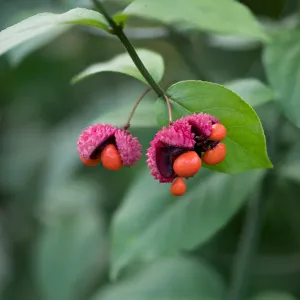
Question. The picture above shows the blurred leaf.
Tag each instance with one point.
(274, 27)
(20, 168)
(169, 279)
(291, 171)
(281, 59)
(44, 23)
(17, 54)
(143, 222)
(251, 90)
(71, 248)
(143, 117)
(123, 1)
(227, 17)
(232, 42)
(5, 260)
(273, 295)
(290, 166)
(124, 64)
(245, 141)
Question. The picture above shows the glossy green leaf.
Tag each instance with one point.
(124, 64)
(72, 231)
(245, 141)
(214, 16)
(273, 295)
(186, 222)
(43, 23)
(253, 91)
(281, 59)
(169, 279)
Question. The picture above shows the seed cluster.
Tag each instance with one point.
(176, 152)
(111, 146)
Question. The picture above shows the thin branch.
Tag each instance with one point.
(127, 125)
(118, 31)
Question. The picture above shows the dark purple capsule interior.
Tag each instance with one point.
(96, 153)
(165, 157)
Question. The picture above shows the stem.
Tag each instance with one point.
(169, 109)
(127, 125)
(118, 31)
(248, 243)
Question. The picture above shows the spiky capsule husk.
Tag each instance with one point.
(94, 138)
(183, 135)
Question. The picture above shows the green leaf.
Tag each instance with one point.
(17, 54)
(124, 1)
(290, 165)
(251, 90)
(232, 42)
(5, 262)
(227, 17)
(188, 222)
(169, 279)
(72, 231)
(124, 64)
(43, 23)
(281, 59)
(273, 295)
(245, 141)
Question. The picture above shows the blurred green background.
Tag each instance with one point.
(66, 229)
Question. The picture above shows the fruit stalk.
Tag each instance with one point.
(127, 125)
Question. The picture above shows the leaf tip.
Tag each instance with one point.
(75, 79)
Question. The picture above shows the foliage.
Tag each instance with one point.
(123, 64)
(69, 232)
(245, 139)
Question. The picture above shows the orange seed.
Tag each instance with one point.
(178, 187)
(110, 158)
(218, 132)
(187, 164)
(90, 162)
(215, 155)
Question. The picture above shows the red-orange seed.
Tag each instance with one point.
(215, 155)
(187, 164)
(110, 158)
(218, 132)
(178, 187)
(90, 162)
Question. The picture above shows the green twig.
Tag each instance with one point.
(118, 31)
